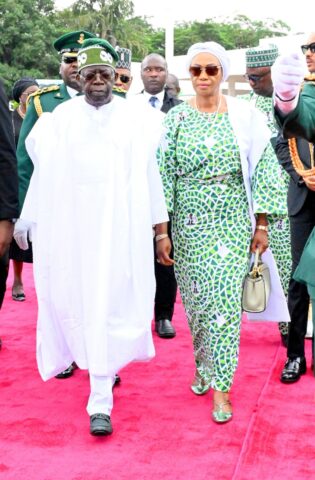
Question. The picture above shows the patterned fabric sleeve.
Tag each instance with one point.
(269, 185)
(166, 156)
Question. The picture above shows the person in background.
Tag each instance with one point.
(46, 100)
(21, 90)
(153, 74)
(9, 205)
(99, 186)
(123, 69)
(258, 73)
(172, 85)
(209, 158)
(301, 205)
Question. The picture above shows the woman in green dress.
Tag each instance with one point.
(208, 159)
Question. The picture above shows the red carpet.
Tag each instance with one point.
(161, 430)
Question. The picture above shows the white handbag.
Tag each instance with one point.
(256, 287)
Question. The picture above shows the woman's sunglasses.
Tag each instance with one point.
(211, 70)
(124, 78)
(310, 46)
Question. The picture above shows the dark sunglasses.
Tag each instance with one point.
(69, 60)
(123, 78)
(255, 78)
(310, 46)
(105, 75)
(211, 70)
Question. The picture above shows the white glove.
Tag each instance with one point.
(22, 228)
(287, 74)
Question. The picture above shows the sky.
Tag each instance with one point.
(159, 10)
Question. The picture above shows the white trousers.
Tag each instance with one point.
(101, 396)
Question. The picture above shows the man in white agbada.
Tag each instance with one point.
(94, 195)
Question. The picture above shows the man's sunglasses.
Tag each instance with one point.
(310, 46)
(255, 78)
(105, 75)
(123, 78)
(69, 60)
(211, 70)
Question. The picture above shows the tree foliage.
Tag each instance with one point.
(29, 28)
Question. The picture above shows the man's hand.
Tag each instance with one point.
(163, 250)
(22, 229)
(287, 74)
(6, 231)
(310, 182)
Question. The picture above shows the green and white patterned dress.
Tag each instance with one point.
(279, 225)
(205, 193)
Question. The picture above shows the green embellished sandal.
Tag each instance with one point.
(218, 415)
(199, 386)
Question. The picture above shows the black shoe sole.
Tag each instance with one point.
(65, 374)
(292, 380)
(101, 433)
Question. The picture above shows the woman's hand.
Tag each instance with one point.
(260, 241)
(163, 250)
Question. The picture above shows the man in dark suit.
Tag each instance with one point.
(154, 74)
(301, 208)
(9, 206)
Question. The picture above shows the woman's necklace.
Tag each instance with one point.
(215, 113)
(22, 114)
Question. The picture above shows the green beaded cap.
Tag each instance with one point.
(261, 57)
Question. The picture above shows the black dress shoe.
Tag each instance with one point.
(164, 328)
(293, 369)
(100, 424)
(68, 372)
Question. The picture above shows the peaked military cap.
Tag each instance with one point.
(70, 43)
(261, 56)
(124, 58)
(96, 51)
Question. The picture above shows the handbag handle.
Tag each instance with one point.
(256, 271)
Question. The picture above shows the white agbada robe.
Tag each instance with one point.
(93, 198)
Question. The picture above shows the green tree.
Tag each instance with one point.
(102, 17)
(27, 32)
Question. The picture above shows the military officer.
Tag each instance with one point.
(46, 100)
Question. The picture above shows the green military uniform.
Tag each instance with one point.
(44, 100)
(301, 121)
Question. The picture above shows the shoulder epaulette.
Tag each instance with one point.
(36, 97)
(50, 88)
(119, 91)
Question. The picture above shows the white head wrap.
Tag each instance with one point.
(215, 49)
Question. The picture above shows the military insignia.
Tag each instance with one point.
(40, 91)
(81, 39)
